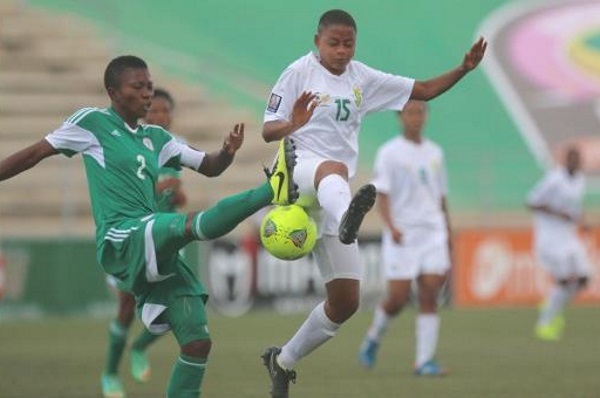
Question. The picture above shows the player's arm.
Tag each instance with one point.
(172, 184)
(383, 205)
(544, 208)
(444, 205)
(537, 200)
(302, 111)
(429, 89)
(25, 159)
(215, 163)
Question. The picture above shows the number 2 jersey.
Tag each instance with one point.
(332, 132)
(122, 164)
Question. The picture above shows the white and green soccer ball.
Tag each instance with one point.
(287, 232)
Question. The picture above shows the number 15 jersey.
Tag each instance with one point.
(332, 132)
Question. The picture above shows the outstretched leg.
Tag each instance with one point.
(280, 188)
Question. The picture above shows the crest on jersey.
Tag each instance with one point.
(274, 102)
(357, 96)
(148, 143)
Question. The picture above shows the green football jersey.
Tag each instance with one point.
(122, 164)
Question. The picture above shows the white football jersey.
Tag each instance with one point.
(414, 178)
(562, 192)
(332, 132)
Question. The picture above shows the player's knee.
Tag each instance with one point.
(395, 303)
(582, 282)
(348, 309)
(197, 348)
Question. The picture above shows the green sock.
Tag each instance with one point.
(186, 378)
(220, 219)
(144, 339)
(117, 337)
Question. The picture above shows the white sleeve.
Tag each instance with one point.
(384, 91)
(283, 96)
(71, 139)
(542, 191)
(188, 157)
(382, 177)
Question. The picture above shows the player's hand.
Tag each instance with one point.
(234, 140)
(475, 55)
(397, 236)
(303, 110)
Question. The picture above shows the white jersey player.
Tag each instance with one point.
(556, 201)
(320, 101)
(410, 178)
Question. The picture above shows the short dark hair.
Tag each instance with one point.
(114, 69)
(336, 17)
(164, 94)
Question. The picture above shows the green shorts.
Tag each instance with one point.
(143, 255)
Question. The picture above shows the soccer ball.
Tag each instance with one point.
(287, 232)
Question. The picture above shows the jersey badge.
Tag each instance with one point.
(357, 96)
(115, 133)
(274, 103)
(148, 143)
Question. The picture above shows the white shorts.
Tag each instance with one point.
(564, 261)
(422, 251)
(334, 259)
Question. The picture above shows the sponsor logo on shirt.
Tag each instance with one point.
(274, 102)
(323, 99)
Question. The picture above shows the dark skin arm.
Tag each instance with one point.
(215, 163)
(548, 210)
(429, 89)
(383, 205)
(449, 227)
(25, 159)
(174, 184)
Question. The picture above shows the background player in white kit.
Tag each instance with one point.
(556, 201)
(320, 100)
(410, 177)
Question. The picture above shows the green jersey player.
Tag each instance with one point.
(169, 197)
(135, 243)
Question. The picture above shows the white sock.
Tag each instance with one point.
(315, 330)
(427, 332)
(334, 196)
(557, 300)
(380, 323)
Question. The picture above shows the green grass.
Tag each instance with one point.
(490, 353)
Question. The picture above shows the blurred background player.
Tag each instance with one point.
(411, 182)
(556, 202)
(169, 197)
(135, 243)
(320, 100)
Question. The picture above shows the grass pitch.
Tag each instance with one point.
(489, 353)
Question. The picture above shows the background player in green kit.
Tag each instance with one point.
(135, 243)
(169, 197)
